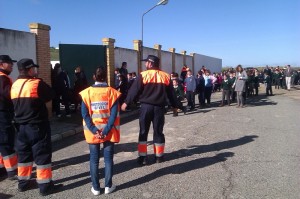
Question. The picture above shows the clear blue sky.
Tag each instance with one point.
(247, 32)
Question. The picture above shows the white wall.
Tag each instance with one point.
(166, 61)
(53, 63)
(126, 55)
(130, 56)
(211, 63)
(189, 62)
(178, 63)
(149, 51)
(18, 45)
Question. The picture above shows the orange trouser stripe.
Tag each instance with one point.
(24, 171)
(159, 149)
(10, 162)
(142, 148)
(43, 173)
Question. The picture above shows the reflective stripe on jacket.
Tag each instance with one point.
(99, 101)
(29, 96)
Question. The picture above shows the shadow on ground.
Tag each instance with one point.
(5, 196)
(177, 168)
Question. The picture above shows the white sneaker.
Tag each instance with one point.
(109, 190)
(96, 193)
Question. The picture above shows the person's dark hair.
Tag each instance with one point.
(239, 66)
(200, 72)
(175, 80)
(117, 69)
(56, 66)
(129, 74)
(133, 73)
(122, 77)
(100, 74)
(124, 63)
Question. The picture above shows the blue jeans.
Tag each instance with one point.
(108, 153)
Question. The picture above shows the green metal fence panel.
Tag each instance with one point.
(88, 57)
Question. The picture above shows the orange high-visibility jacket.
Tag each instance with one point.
(99, 101)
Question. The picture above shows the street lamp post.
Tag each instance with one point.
(161, 2)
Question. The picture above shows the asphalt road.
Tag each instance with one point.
(217, 152)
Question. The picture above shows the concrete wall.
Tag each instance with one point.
(178, 63)
(189, 62)
(211, 63)
(166, 61)
(149, 51)
(17, 45)
(126, 55)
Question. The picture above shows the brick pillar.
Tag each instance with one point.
(110, 60)
(158, 48)
(42, 49)
(42, 39)
(137, 45)
(184, 59)
(193, 63)
(172, 50)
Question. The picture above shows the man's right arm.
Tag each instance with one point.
(135, 88)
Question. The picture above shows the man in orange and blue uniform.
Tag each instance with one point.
(29, 95)
(8, 156)
(152, 86)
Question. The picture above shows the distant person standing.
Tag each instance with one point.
(190, 83)
(269, 72)
(256, 82)
(153, 87)
(122, 88)
(80, 83)
(8, 156)
(123, 70)
(209, 80)
(288, 75)
(240, 85)
(183, 72)
(116, 76)
(277, 76)
(225, 86)
(200, 88)
(231, 79)
(179, 96)
(61, 88)
(268, 84)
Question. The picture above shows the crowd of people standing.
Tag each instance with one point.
(236, 84)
